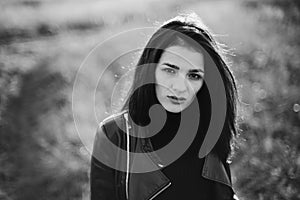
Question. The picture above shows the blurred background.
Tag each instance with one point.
(43, 43)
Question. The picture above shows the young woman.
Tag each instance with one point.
(127, 162)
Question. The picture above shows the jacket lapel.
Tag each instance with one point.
(214, 169)
(143, 186)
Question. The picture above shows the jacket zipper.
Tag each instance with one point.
(160, 191)
(127, 164)
(127, 171)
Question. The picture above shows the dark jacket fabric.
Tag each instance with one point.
(109, 180)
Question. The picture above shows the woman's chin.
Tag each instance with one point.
(174, 108)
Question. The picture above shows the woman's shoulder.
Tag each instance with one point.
(113, 119)
(112, 124)
(108, 135)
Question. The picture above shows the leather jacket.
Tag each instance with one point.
(107, 183)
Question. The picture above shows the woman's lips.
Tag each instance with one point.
(176, 100)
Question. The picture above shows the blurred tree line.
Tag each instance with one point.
(40, 158)
(268, 160)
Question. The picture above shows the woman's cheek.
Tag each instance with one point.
(193, 88)
(198, 86)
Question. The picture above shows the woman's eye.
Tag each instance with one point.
(194, 76)
(169, 70)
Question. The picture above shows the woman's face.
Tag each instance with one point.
(179, 76)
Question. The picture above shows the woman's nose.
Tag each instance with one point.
(179, 84)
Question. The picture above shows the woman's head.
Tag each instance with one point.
(178, 77)
(171, 72)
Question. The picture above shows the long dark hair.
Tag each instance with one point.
(171, 33)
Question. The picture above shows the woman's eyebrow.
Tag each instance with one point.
(196, 70)
(171, 65)
(176, 67)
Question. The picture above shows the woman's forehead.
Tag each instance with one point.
(184, 57)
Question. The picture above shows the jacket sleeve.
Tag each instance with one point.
(102, 177)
